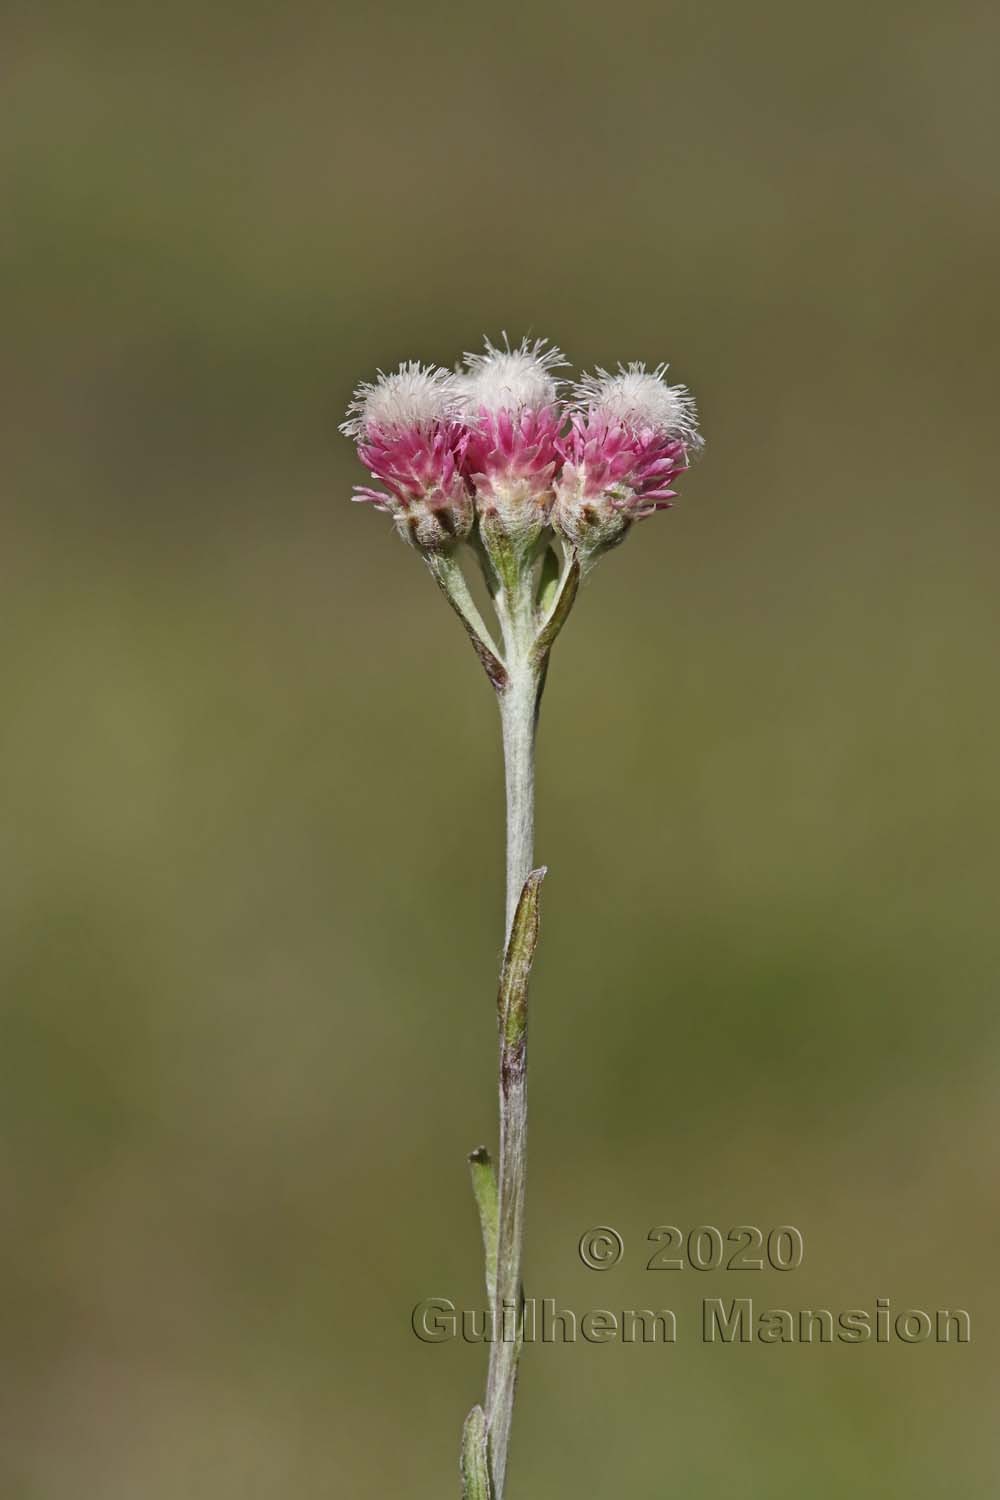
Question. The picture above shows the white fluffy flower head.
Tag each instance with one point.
(509, 379)
(415, 395)
(642, 400)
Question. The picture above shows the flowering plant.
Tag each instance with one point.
(537, 478)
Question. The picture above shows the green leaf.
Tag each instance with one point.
(512, 998)
(475, 1466)
(484, 1186)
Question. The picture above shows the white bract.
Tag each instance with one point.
(415, 395)
(509, 379)
(640, 399)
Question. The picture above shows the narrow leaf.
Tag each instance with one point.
(484, 1187)
(475, 1458)
(512, 998)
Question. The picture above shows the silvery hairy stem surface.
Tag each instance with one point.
(519, 701)
(494, 460)
(518, 720)
(530, 612)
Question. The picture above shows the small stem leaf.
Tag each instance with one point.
(512, 997)
(484, 1187)
(559, 613)
(475, 1466)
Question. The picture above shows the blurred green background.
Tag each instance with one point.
(252, 836)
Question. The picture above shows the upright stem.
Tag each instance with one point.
(528, 633)
(518, 714)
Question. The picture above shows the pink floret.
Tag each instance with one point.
(601, 453)
(505, 446)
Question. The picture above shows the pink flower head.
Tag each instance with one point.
(408, 436)
(510, 404)
(631, 436)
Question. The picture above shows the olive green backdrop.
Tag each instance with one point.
(251, 875)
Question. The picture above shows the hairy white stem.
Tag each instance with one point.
(518, 710)
(518, 681)
(518, 715)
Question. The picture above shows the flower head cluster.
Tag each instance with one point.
(499, 444)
